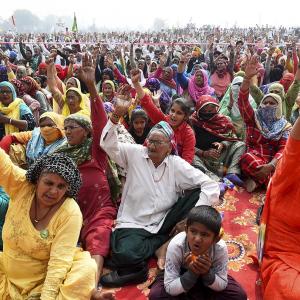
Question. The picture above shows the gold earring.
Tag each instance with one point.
(221, 233)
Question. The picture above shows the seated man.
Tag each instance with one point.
(150, 206)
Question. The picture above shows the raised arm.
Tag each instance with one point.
(70, 67)
(245, 107)
(121, 78)
(268, 64)
(12, 177)
(182, 79)
(154, 113)
(51, 80)
(292, 92)
(295, 59)
(98, 116)
(22, 50)
(116, 150)
(131, 58)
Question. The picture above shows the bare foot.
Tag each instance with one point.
(100, 295)
(161, 255)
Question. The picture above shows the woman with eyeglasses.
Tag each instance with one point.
(83, 146)
(267, 132)
(15, 115)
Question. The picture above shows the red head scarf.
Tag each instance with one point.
(60, 72)
(287, 80)
(169, 81)
(219, 125)
(19, 87)
(33, 86)
(42, 66)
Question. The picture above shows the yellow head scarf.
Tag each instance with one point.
(84, 109)
(12, 110)
(57, 119)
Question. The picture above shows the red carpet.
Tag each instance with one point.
(239, 208)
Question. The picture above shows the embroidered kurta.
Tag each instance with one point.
(46, 264)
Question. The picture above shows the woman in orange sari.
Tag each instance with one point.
(280, 226)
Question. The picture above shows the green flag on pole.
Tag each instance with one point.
(74, 26)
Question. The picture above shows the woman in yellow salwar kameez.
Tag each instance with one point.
(40, 259)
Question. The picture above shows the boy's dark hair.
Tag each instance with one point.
(206, 215)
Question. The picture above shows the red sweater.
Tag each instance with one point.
(184, 134)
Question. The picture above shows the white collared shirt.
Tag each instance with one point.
(149, 193)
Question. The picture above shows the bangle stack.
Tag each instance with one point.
(273, 165)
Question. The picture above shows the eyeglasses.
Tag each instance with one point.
(71, 127)
(5, 92)
(155, 142)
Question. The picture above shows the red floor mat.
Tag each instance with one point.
(239, 208)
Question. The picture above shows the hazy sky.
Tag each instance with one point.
(140, 14)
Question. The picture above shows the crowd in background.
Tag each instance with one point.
(143, 117)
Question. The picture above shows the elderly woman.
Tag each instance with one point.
(218, 151)
(221, 75)
(108, 91)
(280, 267)
(82, 145)
(195, 86)
(71, 100)
(229, 106)
(32, 88)
(15, 115)
(166, 78)
(267, 132)
(41, 230)
(33, 104)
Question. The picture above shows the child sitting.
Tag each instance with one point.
(196, 262)
(139, 127)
